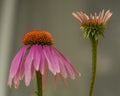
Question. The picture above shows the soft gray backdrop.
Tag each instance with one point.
(19, 16)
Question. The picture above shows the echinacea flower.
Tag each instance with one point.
(92, 25)
(38, 54)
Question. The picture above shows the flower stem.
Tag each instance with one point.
(39, 83)
(94, 44)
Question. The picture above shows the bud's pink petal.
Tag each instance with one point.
(107, 16)
(77, 17)
(101, 16)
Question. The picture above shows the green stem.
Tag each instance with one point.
(39, 83)
(94, 44)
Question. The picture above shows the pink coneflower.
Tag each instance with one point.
(38, 55)
(92, 25)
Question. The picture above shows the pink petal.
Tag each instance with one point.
(55, 59)
(22, 69)
(28, 65)
(77, 17)
(19, 75)
(87, 17)
(16, 61)
(50, 60)
(61, 63)
(101, 16)
(9, 81)
(42, 60)
(82, 16)
(36, 56)
(107, 16)
(71, 70)
(63, 70)
(16, 80)
(95, 16)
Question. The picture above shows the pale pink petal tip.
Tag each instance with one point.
(103, 17)
(79, 74)
(9, 82)
(16, 85)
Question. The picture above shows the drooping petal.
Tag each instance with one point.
(50, 59)
(10, 81)
(20, 73)
(22, 68)
(61, 63)
(55, 59)
(70, 69)
(28, 66)
(42, 60)
(36, 57)
(16, 80)
(63, 70)
(16, 62)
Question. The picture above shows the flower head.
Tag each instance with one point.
(93, 25)
(38, 54)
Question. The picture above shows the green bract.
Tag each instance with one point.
(93, 30)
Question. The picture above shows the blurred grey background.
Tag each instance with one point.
(19, 16)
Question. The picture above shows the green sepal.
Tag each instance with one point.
(93, 30)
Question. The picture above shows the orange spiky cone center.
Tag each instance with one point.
(92, 22)
(37, 37)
